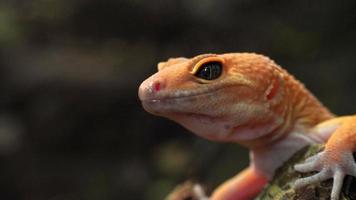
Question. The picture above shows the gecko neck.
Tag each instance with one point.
(266, 160)
(306, 110)
(298, 110)
(303, 112)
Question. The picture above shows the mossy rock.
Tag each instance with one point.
(280, 187)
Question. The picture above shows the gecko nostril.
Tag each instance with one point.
(157, 86)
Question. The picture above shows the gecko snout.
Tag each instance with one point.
(149, 89)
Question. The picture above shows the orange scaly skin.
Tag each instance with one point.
(257, 104)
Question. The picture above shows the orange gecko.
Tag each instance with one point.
(248, 99)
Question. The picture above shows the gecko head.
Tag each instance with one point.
(228, 97)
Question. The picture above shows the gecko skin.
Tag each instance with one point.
(248, 99)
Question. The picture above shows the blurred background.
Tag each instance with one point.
(71, 124)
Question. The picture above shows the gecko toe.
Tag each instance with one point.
(314, 158)
(199, 192)
(311, 164)
(337, 184)
(306, 167)
(320, 176)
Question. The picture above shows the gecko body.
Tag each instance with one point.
(248, 99)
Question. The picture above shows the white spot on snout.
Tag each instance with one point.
(150, 87)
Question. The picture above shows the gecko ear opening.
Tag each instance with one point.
(273, 89)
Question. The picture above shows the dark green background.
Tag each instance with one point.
(71, 125)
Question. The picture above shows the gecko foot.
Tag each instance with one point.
(199, 192)
(328, 165)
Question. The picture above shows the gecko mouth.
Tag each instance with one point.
(170, 98)
(172, 105)
(181, 104)
(180, 94)
(186, 94)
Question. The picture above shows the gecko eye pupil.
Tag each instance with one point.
(209, 70)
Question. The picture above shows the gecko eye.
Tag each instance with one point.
(209, 70)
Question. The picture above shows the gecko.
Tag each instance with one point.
(247, 98)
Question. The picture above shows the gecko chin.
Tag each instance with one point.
(206, 126)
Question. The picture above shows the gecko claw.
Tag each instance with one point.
(327, 168)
